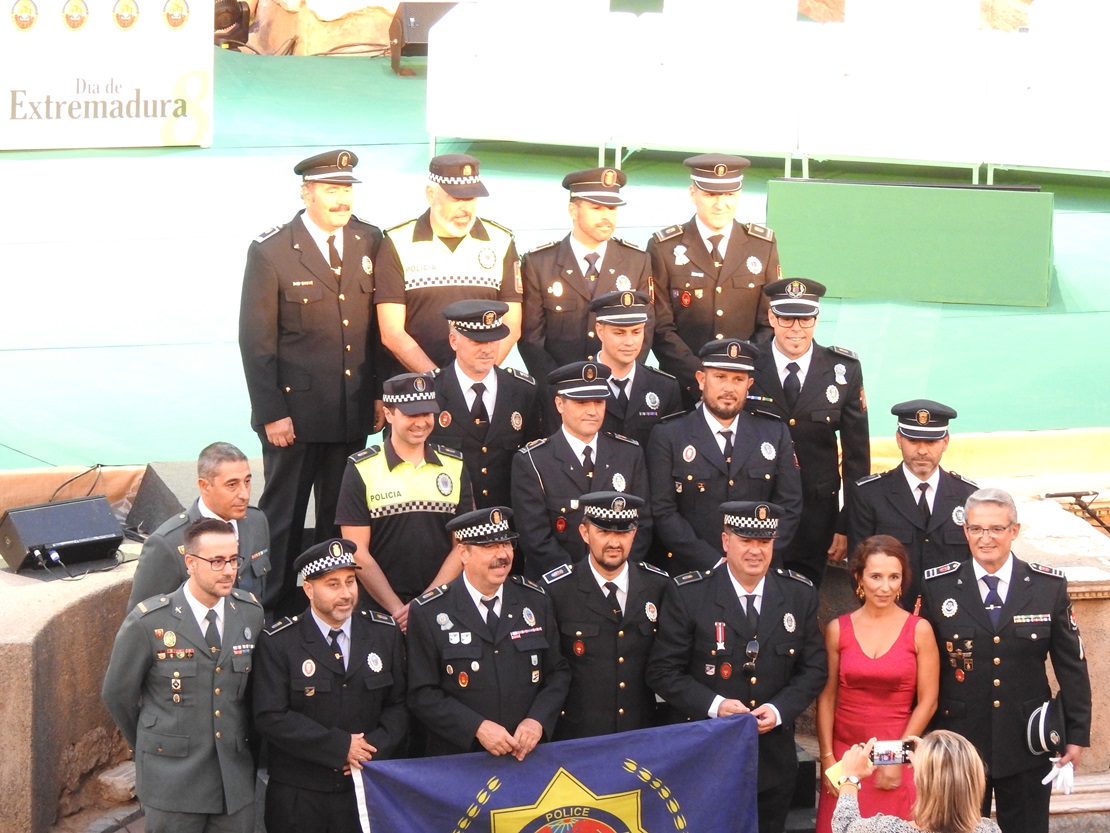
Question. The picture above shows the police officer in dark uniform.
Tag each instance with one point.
(818, 392)
(607, 609)
(641, 395)
(743, 638)
(549, 475)
(485, 411)
(329, 695)
(309, 344)
(919, 503)
(485, 671)
(997, 618)
(709, 271)
(719, 452)
(561, 278)
(447, 254)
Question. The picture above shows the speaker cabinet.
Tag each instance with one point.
(83, 529)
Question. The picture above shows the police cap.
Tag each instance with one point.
(615, 511)
(483, 526)
(457, 174)
(622, 308)
(478, 320)
(717, 173)
(923, 419)
(332, 166)
(729, 354)
(411, 393)
(325, 557)
(580, 380)
(795, 297)
(752, 519)
(597, 185)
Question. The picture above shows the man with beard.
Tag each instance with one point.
(549, 475)
(396, 497)
(919, 503)
(485, 671)
(561, 278)
(485, 411)
(709, 271)
(447, 254)
(224, 479)
(607, 609)
(308, 339)
(329, 696)
(716, 453)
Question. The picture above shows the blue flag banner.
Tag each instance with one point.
(688, 778)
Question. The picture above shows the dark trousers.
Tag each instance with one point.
(292, 474)
(774, 804)
(1021, 800)
(292, 809)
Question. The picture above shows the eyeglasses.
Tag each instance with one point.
(992, 531)
(752, 650)
(807, 323)
(218, 564)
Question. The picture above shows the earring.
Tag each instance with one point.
(898, 595)
(859, 591)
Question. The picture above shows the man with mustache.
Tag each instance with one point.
(549, 475)
(224, 479)
(710, 270)
(721, 451)
(485, 670)
(396, 497)
(487, 412)
(329, 695)
(607, 609)
(447, 254)
(308, 338)
(561, 278)
(919, 503)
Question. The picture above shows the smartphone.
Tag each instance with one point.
(891, 752)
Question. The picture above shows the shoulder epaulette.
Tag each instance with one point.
(520, 374)
(627, 243)
(1047, 570)
(653, 569)
(543, 246)
(533, 444)
(401, 225)
(245, 596)
(428, 595)
(380, 618)
(759, 408)
(497, 225)
(366, 453)
(523, 582)
(147, 605)
(659, 372)
(621, 437)
(762, 232)
(844, 351)
(690, 577)
(673, 416)
(446, 450)
(560, 572)
(279, 625)
(266, 235)
(795, 576)
(667, 233)
(943, 569)
(868, 479)
(959, 476)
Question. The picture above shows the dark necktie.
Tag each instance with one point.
(335, 261)
(753, 614)
(333, 640)
(212, 633)
(611, 595)
(792, 385)
(728, 444)
(714, 252)
(923, 504)
(592, 273)
(622, 394)
(993, 602)
(588, 462)
(478, 411)
(491, 617)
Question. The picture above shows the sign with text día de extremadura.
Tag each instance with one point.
(105, 73)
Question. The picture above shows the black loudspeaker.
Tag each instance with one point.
(408, 32)
(157, 500)
(83, 529)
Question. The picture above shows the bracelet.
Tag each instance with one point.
(848, 779)
(827, 755)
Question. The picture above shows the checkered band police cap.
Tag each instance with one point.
(411, 393)
(752, 519)
(612, 510)
(457, 174)
(321, 559)
(483, 526)
(478, 320)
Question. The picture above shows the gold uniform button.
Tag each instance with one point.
(732, 482)
(347, 347)
(342, 297)
(720, 312)
(620, 659)
(997, 639)
(718, 290)
(620, 711)
(177, 673)
(288, 389)
(578, 633)
(620, 634)
(216, 692)
(485, 492)
(997, 704)
(766, 477)
(347, 372)
(590, 333)
(621, 685)
(753, 704)
(997, 661)
(792, 422)
(791, 652)
(1032, 636)
(998, 682)
(218, 736)
(752, 681)
(485, 471)
(217, 669)
(346, 323)
(720, 336)
(176, 699)
(485, 450)
(217, 712)
(160, 749)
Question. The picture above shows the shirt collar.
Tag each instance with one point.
(1004, 573)
(466, 383)
(621, 581)
(782, 360)
(200, 611)
(205, 512)
(423, 231)
(739, 588)
(715, 426)
(319, 236)
(628, 385)
(577, 446)
(914, 481)
(477, 597)
(393, 459)
(325, 628)
(581, 251)
(706, 232)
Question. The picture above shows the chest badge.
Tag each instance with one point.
(556, 289)
(169, 639)
(651, 611)
(958, 516)
(623, 283)
(789, 622)
(374, 661)
(367, 265)
(444, 483)
(685, 298)
(308, 668)
(726, 670)
(464, 679)
(680, 258)
(832, 393)
(618, 482)
(651, 399)
(516, 420)
(444, 419)
(444, 622)
(689, 453)
(768, 451)
(755, 265)
(529, 617)
(949, 607)
(579, 648)
(487, 258)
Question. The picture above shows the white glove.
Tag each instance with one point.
(1062, 778)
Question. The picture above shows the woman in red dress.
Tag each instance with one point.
(884, 672)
